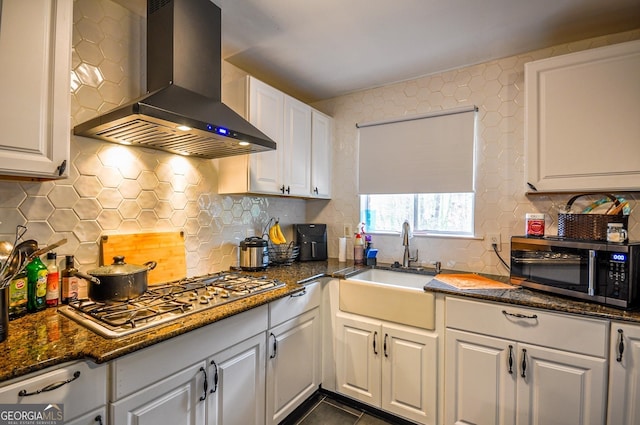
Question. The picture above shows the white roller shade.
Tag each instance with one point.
(421, 154)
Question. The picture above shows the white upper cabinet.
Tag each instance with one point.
(266, 112)
(287, 171)
(321, 150)
(35, 53)
(296, 148)
(582, 129)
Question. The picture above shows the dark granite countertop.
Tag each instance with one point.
(40, 340)
(528, 298)
(47, 338)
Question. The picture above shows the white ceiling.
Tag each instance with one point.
(319, 49)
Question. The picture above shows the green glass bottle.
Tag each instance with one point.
(36, 285)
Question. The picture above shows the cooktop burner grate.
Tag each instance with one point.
(163, 303)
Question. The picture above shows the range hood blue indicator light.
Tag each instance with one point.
(222, 131)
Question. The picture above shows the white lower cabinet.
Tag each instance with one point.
(96, 417)
(294, 352)
(176, 400)
(236, 390)
(80, 387)
(507, 365)
(624, 375)
(390, 366)
(176, 382)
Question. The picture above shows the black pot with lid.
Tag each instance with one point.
(254, 255)
(118, 281)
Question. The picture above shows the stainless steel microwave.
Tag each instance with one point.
(602, 272)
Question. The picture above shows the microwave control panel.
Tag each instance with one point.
(617, 272)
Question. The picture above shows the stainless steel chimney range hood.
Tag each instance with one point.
(182, 112)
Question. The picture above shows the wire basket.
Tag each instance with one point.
(283, 255)
(589, 226)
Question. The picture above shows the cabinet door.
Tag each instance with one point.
(176, 400)
(266, 106)
(581, 113)
(480, 379)
(293, 366)
(296, 152)
(96, 417)
(409, 373)
(624, 375)
(358, 358)
(35, 52)
(237, 384)
(559, 387)
(321, 152)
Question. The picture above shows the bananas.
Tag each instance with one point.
(275, 234)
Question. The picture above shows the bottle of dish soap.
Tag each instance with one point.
(36, 285)
(358, 250)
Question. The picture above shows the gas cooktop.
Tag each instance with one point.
(164, 303)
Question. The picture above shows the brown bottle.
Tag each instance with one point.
(69, 281)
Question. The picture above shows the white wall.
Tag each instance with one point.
(497, 89)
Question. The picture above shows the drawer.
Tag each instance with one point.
(79, 396)
(295, 304)
(555, 330)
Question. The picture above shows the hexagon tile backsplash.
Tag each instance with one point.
(496, 88)
(115, 189)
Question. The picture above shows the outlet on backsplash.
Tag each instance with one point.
(491, 239)
(348, 231)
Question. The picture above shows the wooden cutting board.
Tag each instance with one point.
(165, 248)
(472, 281)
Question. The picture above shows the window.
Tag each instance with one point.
(428, 213)
(420, 169)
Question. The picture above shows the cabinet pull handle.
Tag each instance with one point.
(287, 190)
(620, 345)
(524, 363)
(50, 387)
(98, 419)
(275, 346)
(215, 377)
(63, 166)
(315, 190)
(299, 294)
(511, 359)
(384, 346)
(519, 315)
(203, 397)
(375, 337)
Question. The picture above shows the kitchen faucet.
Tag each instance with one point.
(406, 258)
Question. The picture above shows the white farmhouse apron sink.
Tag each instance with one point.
(389, 295)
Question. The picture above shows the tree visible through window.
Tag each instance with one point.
(428, 213)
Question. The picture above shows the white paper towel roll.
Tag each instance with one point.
(342, 250)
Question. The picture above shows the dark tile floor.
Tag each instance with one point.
(325, 410)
